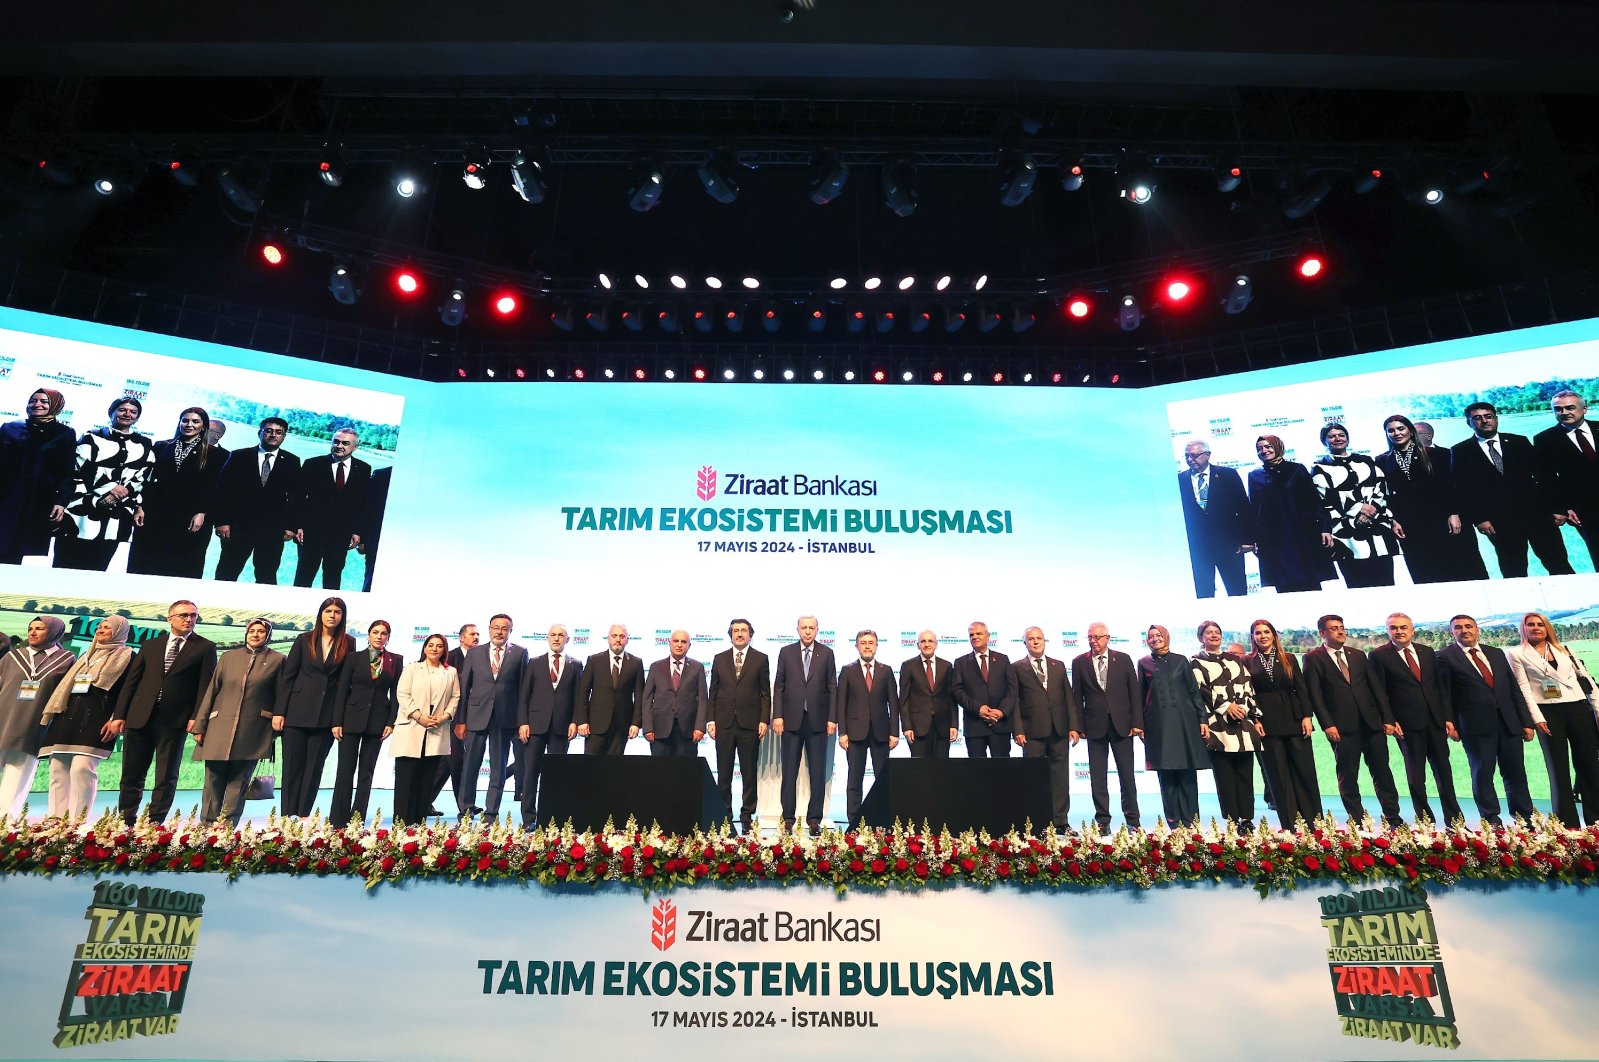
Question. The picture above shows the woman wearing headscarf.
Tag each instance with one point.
(36, 458)
(77, 719)
(1286, 755)
(233, 721)
(28, 676)
(1294, 539)
(1563, 699)
(363, 719)
(1438, 546)
(1232, 726)
(174, 532)
(428, 694)
(108, 477)
(1174, 718)
(1354, 492)
(308, 691)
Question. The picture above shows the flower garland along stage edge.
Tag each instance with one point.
(1270, 861)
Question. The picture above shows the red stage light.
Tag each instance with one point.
(878, 376)
(1115, 377)
(1177, 291)
(699, 372)
(1311, 266)
(505, 305)
(999, 377)
(521, 373)
(580, 374)
(407, 282)
(272, 253)
(460, 374)
(938, 376)
(1079, 307)
(732, 315)
(639, 374)
(816, 313)
(1055, 377)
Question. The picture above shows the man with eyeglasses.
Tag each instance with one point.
(155, 711)
(251, 509)
(1216, 512)
(1499, 490)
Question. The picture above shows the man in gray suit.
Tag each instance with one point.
(491, 706)
(675, 703)
(1048, 722)
(1105, 686)
(549, 695)
(802, 698)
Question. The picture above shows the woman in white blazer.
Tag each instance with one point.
(1564, 702)
(428, 693)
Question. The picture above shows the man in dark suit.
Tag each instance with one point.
(608, 697)
(866, 712)
(155, 710)
(802, 703)
(330, 510)
(252, 510)
(549, 698)
(1047, 720)
(741, 708)
(1497, 485)
(675, 703)
(488, 717)
(377, 504)
(985, 688)
(1492, 718)
(213, 438)
(1423, 721)
(1352, 708)
(1216, 512)
(1568, 461)
(927, 700)
(1105, 688)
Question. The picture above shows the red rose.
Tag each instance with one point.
(649, 870)
(1332, 863)
(1312, 863)
(484, 847)
(388, 864)
(948, 870)
(451, 844)
(1240, 866)
(1214, 848)
(648, 851)
(700, 870)
(381, 834)
(878, 866)
(122, 859)
(1004, 869)
(462, 862)
(824, 866)
(600, 869)
(577, 852)
(321, 865)
(1266, 866)
(409, 848)
(921, 869)
(968, 864)
(443, 859)
(901, 865)
(1196, 867)
(856, 866)
(1124, 864)
(1032, 869)
(560, 870)
(416, 861)
(1074, 870)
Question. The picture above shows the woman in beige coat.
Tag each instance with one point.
(428, 694)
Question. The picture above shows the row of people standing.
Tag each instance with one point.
(111, 485)
(1359, 512)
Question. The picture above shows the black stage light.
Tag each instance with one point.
(527, 177)
(1137, 177)
(828, 177)
(666, 317)
(1128, 313)
(1022, 318)
(183, 171)
(453, 312)
(719, 176)
(55, 170)
(988, 319)
(704, 320)
(1229, 175)
(885, 320)
(1237, 293)
(412, 173)
(561, 315)
(242, 188)
(475, 167)
(1017, 175)
(1071, 175)
(598, 318)
(1366, 178)
(632, 317)
(920, 320)
(816, 316)
(733, 318)
(644, 191)
(954, 318)
(855, 319)
(341, 282)
(330, 168)
(899, 187)
(772, 317)
(1303, 193)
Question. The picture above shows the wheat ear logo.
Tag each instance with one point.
(706, 485)
(663, 924)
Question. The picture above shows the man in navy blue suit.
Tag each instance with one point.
(675, 704)
(1492, 718)
(491, 710)
(549, 696)
(1216, 513)
(866, 715)
(802, 703)
(985, 689)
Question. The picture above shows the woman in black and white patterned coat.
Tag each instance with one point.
(107, 488)
(1354, 492)
(1232, 729)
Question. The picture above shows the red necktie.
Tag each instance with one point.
(982, 665)
(676, 676)
(1410, 658)
(866, 669)
(1482, 666)
(555, 673)
(338, 476)
(929, 676)
(1585, 446)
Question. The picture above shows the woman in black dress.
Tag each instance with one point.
(363, 719)
(308, 691)
(77, 720)
(174, 531)
(36, 457)
(1293, 536)
(1286, 755)
(1438, 546)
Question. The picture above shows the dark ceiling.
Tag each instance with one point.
(1427, 91)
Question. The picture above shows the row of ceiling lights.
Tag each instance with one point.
(995, 372)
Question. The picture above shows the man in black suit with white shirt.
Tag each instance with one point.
(1047, 720)
(741, 709)
(802, 703)
(549, 699)
(1492, 717)
(927, 700)
(1497, 486)
(330, 510)
(253, 507)
(155, 710)
(985, 688)
(1424, 723)
(1216, 514)
(609, 696)
(1352, 708)
(1568, 460)
(1105, 687)
(866, 712)
(674, 704)
(490, 709)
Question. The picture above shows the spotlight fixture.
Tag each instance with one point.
(598, 318)
(411, 173)
(527, 177)
(733, 318)
(980, 283)
(341, 283)
(561, 315)
(943, 282)
(106, 185)
(1129, 315)
(666, 317)
(772, 318)
(453, 312)
(1366, 178)
(1229, 174)
(644, 190)
(788, 374)
(920, 321)
(678, 282)
(838, 283)
(719, 176)
(1432, 195)
(243, 189)
(1022, 318)
(1303, 193)
(632, 317)
(702, 320)
(1137, 180)
(475, 167)
(1240, 290)
(1017, 175)
(907, 283)
(750, 283)
(816, 316)
(272, 253)
(1071, 176)
(1078, 307)
(184, 173)
(954, 319)
(55, 171)
(407, 282)
(884, 321)
(1311, 265)
(872, 283)
(988, 319)
(605, 280)
(855, 319)
(641, 280)
(506, 304)
(1177, 292)
(714, 283)
(828, 177)
(899, 187)
(330, 168)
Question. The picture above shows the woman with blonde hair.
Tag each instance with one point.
(1563, 700)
